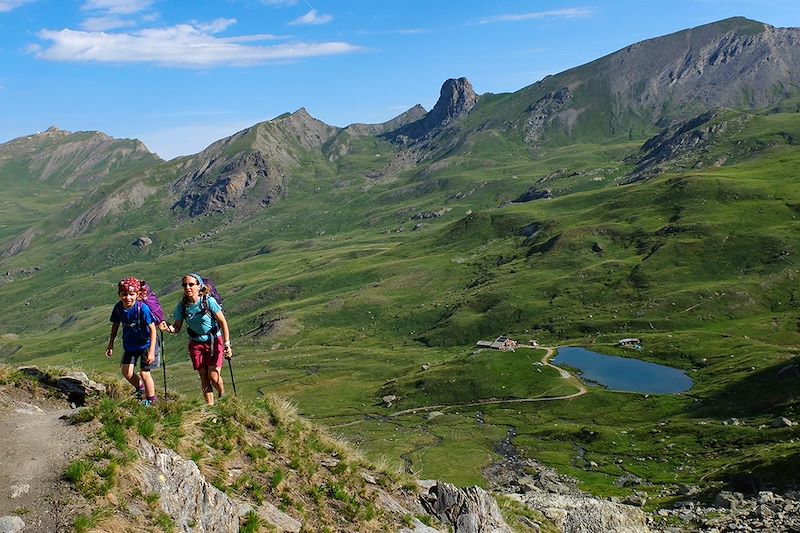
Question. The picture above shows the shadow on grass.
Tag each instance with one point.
(773, 391)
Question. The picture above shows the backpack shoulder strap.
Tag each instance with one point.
(204, 305)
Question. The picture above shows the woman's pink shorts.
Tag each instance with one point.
(200, 354)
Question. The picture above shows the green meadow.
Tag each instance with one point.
(338, 296)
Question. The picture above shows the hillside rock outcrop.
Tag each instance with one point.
(467, 510)
(18, 244)
(249, 178)
(184, 494)
(686, 145)
(583, 514)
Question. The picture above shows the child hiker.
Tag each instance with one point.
(205, 322)
(138, 339)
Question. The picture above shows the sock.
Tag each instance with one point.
(151, 398)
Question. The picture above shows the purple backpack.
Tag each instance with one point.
(147, 296)
(212, 291)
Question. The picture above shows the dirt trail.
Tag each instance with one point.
(36, 448)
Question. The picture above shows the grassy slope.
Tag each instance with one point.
(334, 302)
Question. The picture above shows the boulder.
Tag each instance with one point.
(782, 422)
(185, 496)
(468, 510)
(728, 500)
(574, 513)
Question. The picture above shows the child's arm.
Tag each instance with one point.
(151, 348)
(114, 330)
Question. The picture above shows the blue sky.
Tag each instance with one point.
(179, 75)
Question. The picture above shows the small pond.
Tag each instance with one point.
(623, 374)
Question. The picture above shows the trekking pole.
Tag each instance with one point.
(163, 362)
(233, 382)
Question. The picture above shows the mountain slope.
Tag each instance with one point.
(735, 63)
(352, 261)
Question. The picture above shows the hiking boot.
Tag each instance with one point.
(139, 393)
(146, 403)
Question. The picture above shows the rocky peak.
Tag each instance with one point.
(309, 131)
(456, 99)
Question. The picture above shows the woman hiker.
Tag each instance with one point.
(209, 337)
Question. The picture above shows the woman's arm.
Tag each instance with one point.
(226, 334)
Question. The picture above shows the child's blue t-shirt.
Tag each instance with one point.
(135, 322)
(200, 323)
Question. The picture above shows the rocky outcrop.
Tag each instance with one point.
(247, 179)
(73, 384)
(732, 511)
(573, 513)
(184, 495)
(544, 111)
(687, 145)
(142, 241)
(456, 98)
(534, 193)
(19, 244)
(468, 510)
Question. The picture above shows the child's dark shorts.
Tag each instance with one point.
(130, 358)
(200, 354)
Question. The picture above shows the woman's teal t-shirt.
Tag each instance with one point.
(201, 323)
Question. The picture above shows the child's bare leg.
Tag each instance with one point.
(128, 373)
(205, 384)
(216, 380)
(149, 386)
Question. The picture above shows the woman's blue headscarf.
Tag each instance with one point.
(198, 278)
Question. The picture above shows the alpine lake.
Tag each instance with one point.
(623, 374)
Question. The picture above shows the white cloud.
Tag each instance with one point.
(117, 7)
(215, 26)
(311, 18)
(573, 12)
(184, 45)
(106, 23)
(9, 5)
